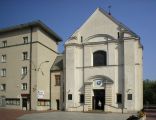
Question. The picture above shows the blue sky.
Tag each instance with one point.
(65, 16)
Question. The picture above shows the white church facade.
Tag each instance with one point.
(103, 67)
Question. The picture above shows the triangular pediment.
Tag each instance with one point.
(100, 23)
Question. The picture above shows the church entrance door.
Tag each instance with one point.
(98, 99)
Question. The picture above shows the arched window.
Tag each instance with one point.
(99, 58)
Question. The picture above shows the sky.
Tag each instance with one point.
(65, 16)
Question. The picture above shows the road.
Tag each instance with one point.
(9, 114)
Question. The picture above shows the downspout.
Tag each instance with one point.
(50, 90)
(30, 67)
(107, 63)
(107, 55)
(124, 96)
(83, 71)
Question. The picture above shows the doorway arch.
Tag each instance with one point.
(98, 92)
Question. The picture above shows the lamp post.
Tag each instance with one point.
(41, 64)
(37, 69)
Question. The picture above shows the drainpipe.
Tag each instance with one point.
(50, 90)
(30, 67)
(123, 98)
(83, 71)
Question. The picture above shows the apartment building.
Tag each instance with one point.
(27, 52)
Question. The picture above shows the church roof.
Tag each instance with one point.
(38, 23)
(58, 64)
(118, 22)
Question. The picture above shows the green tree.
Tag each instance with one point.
(149, 90)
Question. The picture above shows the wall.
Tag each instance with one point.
(45, 49)
(56, 91)
(14, 63)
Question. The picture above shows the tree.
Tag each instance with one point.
(149, 90)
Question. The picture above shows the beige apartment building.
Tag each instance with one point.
(27, 52)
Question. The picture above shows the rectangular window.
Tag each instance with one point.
(24, 86)
(4, 43)
(118, 35)
(119, 98)
(57, 80)
(69, 96)
(13, 101)
(43, 102)
(81, 98)
(3, 58)
(3, 72)
(24, 70)
(25, 39)
(129, 96)
(3, 87)
(25, 55)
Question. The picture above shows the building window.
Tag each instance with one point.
(3, 87)
(24, 86)
(25, 39)
(13, 101)
(24, 70)
(3, 72)
(119, 98)
(81, 39)
(25, 55)
(81, 98)
(69, 96)
(99, 58)
(3, 58)
(4, 43)
(57, 80)
(118, 35)
(129, 96)
(43, 102)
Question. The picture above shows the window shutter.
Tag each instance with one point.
(1, 72)
(2, 58)
(0, 87)
(22, 56)
(28, 57)
(22, 71)
(4, 72)
(21, 86)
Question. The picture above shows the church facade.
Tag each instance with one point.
(103, 66)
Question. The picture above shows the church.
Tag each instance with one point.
(103, 66)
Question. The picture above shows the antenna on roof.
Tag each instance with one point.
(109, 9)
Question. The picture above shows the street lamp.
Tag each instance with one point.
(37, 69)
(41, 64)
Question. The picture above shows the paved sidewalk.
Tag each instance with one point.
(13, 114)
(74, 116)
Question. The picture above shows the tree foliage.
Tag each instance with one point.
(149, 92)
